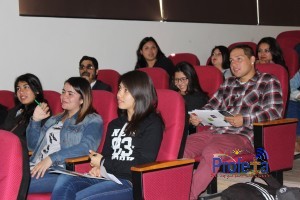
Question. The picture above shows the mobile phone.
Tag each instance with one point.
(225, 113)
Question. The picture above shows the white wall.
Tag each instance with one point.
(52, 47)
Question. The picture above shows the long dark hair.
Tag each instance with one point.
(188, 70)
(36, 87)
(225, 56)
(141, 62)
(83, 88)
(142, 90)
(275, 50)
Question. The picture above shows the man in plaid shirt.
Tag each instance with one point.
(251, 97)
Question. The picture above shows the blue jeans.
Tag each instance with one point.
(74, 187)
(43, 185)
(294, 112)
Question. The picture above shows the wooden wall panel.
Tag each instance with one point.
(272, 12)
(102, 9)
(279, 12)
(211, 11)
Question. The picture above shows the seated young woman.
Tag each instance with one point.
(219, 58)
(269, 51)
(149, 54)
(28, 88)
(186, 82)
(71, 133)
(133, 138)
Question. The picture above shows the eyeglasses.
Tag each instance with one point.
(89, 67)
(180, 80)
(263, 50)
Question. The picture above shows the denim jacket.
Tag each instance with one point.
(75, 140)
(294, 85)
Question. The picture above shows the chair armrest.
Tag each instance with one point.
(77, 159)
(276, 122)
(72, 162)
(161, 165)
(260, 128)
(163, 179)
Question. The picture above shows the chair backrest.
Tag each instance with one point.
(110, 77)
(159, 76)
(291, 60)
(281, 74)
(54, 102)
(251, 44)
(210, 78)
(172, 108)
(7, 98)
(288, 42)
(187, 57)
(11, 161)
(289, 34)
(105, 104)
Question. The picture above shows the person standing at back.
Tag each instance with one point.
(149, 54)
(88, 69)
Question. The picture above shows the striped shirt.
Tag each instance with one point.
(258, 100)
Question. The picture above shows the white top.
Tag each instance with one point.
(53, 142)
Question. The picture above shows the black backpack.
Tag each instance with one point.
(252, 190)
(288, 193)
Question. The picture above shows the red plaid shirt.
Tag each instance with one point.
(259, 99)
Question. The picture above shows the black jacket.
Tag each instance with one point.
(99, 85)
(3, 113)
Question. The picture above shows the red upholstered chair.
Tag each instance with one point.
(159, 76)
(110, 77)
(288, 42)
(105, 104)
(54, 102)
(187, 57)
(7, 98)
(251, 44)
(276, 137)
(288, 39)
(210, 78)
(289, 34)
(291, 60)
(167, 178)
(11, 165)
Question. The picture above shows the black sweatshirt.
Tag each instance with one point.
(121, 152)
